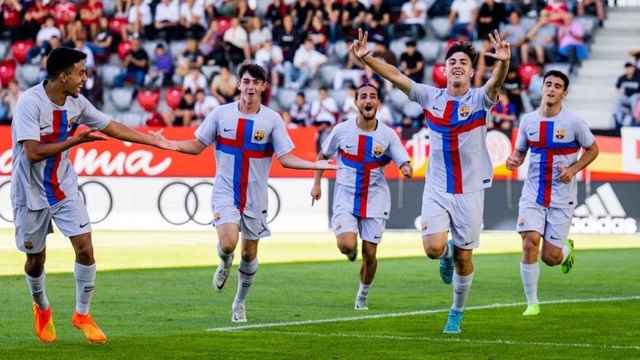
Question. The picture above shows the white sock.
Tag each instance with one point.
(226, 259)
(461, 287)
(363, 290)
(85, 286)
(565, 252)
(246, 273)
(530, 273)
(37, 289)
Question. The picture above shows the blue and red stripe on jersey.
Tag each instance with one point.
(60, 132)
(547, 148)
(242, 148)
(449, 126)
(363, 162)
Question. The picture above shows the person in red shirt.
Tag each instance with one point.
(90, 13)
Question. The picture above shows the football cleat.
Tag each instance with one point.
(568, 262)
(454, 322)
(446, 265)
(532, 310)
(238, 313)
(43, 324)
(89, 328)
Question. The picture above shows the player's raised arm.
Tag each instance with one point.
(125, 133)
(380, 67)
(502, 55)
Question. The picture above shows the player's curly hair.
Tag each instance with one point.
(463, 47)
(61, 59)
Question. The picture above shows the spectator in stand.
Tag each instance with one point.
(334, 29)
(12, 18)
(270, 58)
(276, 11)
(535, 88)
(224, 85)
(571, 42)
(318, 33)
(306, 63)
(161, 72)
(490, 15)
(136, 64)
(47, 31)
(243, 12)
(412, 62)
(211, 45)
(380, 50)
(140, 20)
(592, 7)
(93, 88)
(353, 15)
(259, 34)
(167, 19)
(413, 18)
(324, 113)
(194, 79)
(513, 87)
(90, 13)
(65, 12)
(299, 112)
(555, 11)
(192, 18)
(302, 12)
(9, 101)
(80, 43)
(287, 38)
(236, 42)
(462, 19)
(349, 108)
(103, 42)
(183, 115)
(122, 8)
(542, 38)
(35, 17)
(384, 114)
(203, 106)
(504, 114)
(353, 71)
(379, 20)
(628, 85)
(190, 55)
(516, 35)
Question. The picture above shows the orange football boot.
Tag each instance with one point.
(43, 324)
(89, 328)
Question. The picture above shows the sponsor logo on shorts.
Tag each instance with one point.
(560, 134)
(28, 245)
(259, 135)
(465, 110)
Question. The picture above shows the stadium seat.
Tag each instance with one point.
(526, 72)
(109, 7)
(149, 99)
(440, 27)
(155, 120)
(122, 98)
(20, 50)
(430, 50)
(131, 118)
(438, 76)
(177, 47)
(327, 73)
(398, 98)
(173, 97)
(116, 25)
(209, 70)
(412, 109)
(589, 24)
(124, 48)
(397, 47)
(28, 74)
(285, 97)
(7, 72)
(108, 72)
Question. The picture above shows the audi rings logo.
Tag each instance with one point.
(95, 195)
(180, 203)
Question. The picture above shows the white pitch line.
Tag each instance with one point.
(459, 340)
(417, 312)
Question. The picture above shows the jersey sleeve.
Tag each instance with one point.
(486, 102)
(26, 120)
(421, 93)
(91, 116)
(584, 136)
(282, 143)
(521, 140)
(396, 149)
(330, 145)
(207, 131)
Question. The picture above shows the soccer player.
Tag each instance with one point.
(459, 165)
(554, 136)
(361, 197)
(44, 186)
(246, 135)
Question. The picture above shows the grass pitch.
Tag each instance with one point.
(165, 313)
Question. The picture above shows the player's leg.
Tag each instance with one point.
(227, 223)
(32, 228)
(371, 230)
(466, 221)
(435, 224)
(345, 226)
(557, 249)
(531, 226)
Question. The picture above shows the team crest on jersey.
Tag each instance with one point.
(378, 150)
(464, 111)
(259, 135)
(560, 134)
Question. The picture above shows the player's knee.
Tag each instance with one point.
(84, 254)
(34, 265)
(369, 256)
(346, 247)
(227, 248)
(529, 246)
(551, 259)
(433, 251)
(248, 256)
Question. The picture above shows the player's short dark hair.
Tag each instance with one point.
(558, 74)
(61, 59)
(367, 84)
(463, 47)
(255, 70)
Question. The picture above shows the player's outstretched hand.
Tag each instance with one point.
(161, 142)
(325, 165)
(501, 48)
(89, 135)
(406, 170)
(514, 161)
(316, 193)
(359, 46)
(566, 174)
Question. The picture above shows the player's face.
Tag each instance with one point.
(74, 78)
(459, 69)
(250, 87)
(367, 102)
(553, 90)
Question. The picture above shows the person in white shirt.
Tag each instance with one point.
(462, 19)
(203, 106)
(237, 42)
(140, 19)
(167, 19)
(270, 57)
(259, 34)
(192, 18)
(47, 31)
(306, 62)
(194, 79)
(413, 17)
(324, 112)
